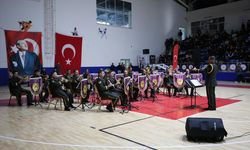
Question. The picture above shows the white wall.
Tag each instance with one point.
(146, 32)
(235, 13)
(12, 11)
(174, 16)
(152, 22)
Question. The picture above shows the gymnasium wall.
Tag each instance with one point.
(152, 22)
(235, 13)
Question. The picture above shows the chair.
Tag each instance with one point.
(22, 94)
(101, 101)
(11, 94)
(52, 98)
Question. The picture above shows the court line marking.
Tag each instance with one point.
(236, 96)
(123, 147)
(69, 145)
(127, 139)
(145, 118)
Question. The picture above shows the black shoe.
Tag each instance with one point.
(66, 109)
(72, 106)
(210, 109)
(109, 108)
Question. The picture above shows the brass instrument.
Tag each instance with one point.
(22, 79)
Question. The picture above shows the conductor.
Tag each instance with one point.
(210, 73)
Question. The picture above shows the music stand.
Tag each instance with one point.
(127, 83)
(154, 84)
(194, 83)
(36, 86)
(83, 93)
(142, 85)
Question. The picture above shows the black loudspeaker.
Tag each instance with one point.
(145, 51)
(205, 129)
(152, 59)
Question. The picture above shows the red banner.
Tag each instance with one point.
(68, 52)
(33, 40)
(175, 55)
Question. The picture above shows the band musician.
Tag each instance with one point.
(16, 89)
(58, 90)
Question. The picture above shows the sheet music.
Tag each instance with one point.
(195, 83)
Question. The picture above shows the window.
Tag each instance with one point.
(114, 13)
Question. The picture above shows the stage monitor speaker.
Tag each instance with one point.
(205, 129)
(145, 51)
(152, 59)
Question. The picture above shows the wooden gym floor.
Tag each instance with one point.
(37, 128)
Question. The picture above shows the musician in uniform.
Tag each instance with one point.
(68, 82)
(90, 87)
(118, 86)
(16, 89)
(210, 82)
(36, 74)
(58, 90)
(45, 88)
(147, 72)
(86, 73)
(76, 79)
(104, 92)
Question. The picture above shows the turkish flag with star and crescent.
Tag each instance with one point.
(175, 55)
(33, 40)
(68, 52)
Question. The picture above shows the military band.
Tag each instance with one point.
(68, 86)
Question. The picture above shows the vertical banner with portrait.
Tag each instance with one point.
(32, 42)
(68, 52)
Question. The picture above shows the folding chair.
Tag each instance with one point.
(101, 101)
(52, 98)
(11, 95)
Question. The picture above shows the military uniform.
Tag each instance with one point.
(68, 84)
(57, 90)
(105, 93)
(16, 89)
(210, 82)
(117, 90)
(75, 82)
(45, 89)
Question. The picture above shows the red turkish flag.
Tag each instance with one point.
(175, 55)
(33, 40)
(68, 52)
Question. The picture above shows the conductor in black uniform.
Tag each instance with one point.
(210, 82)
